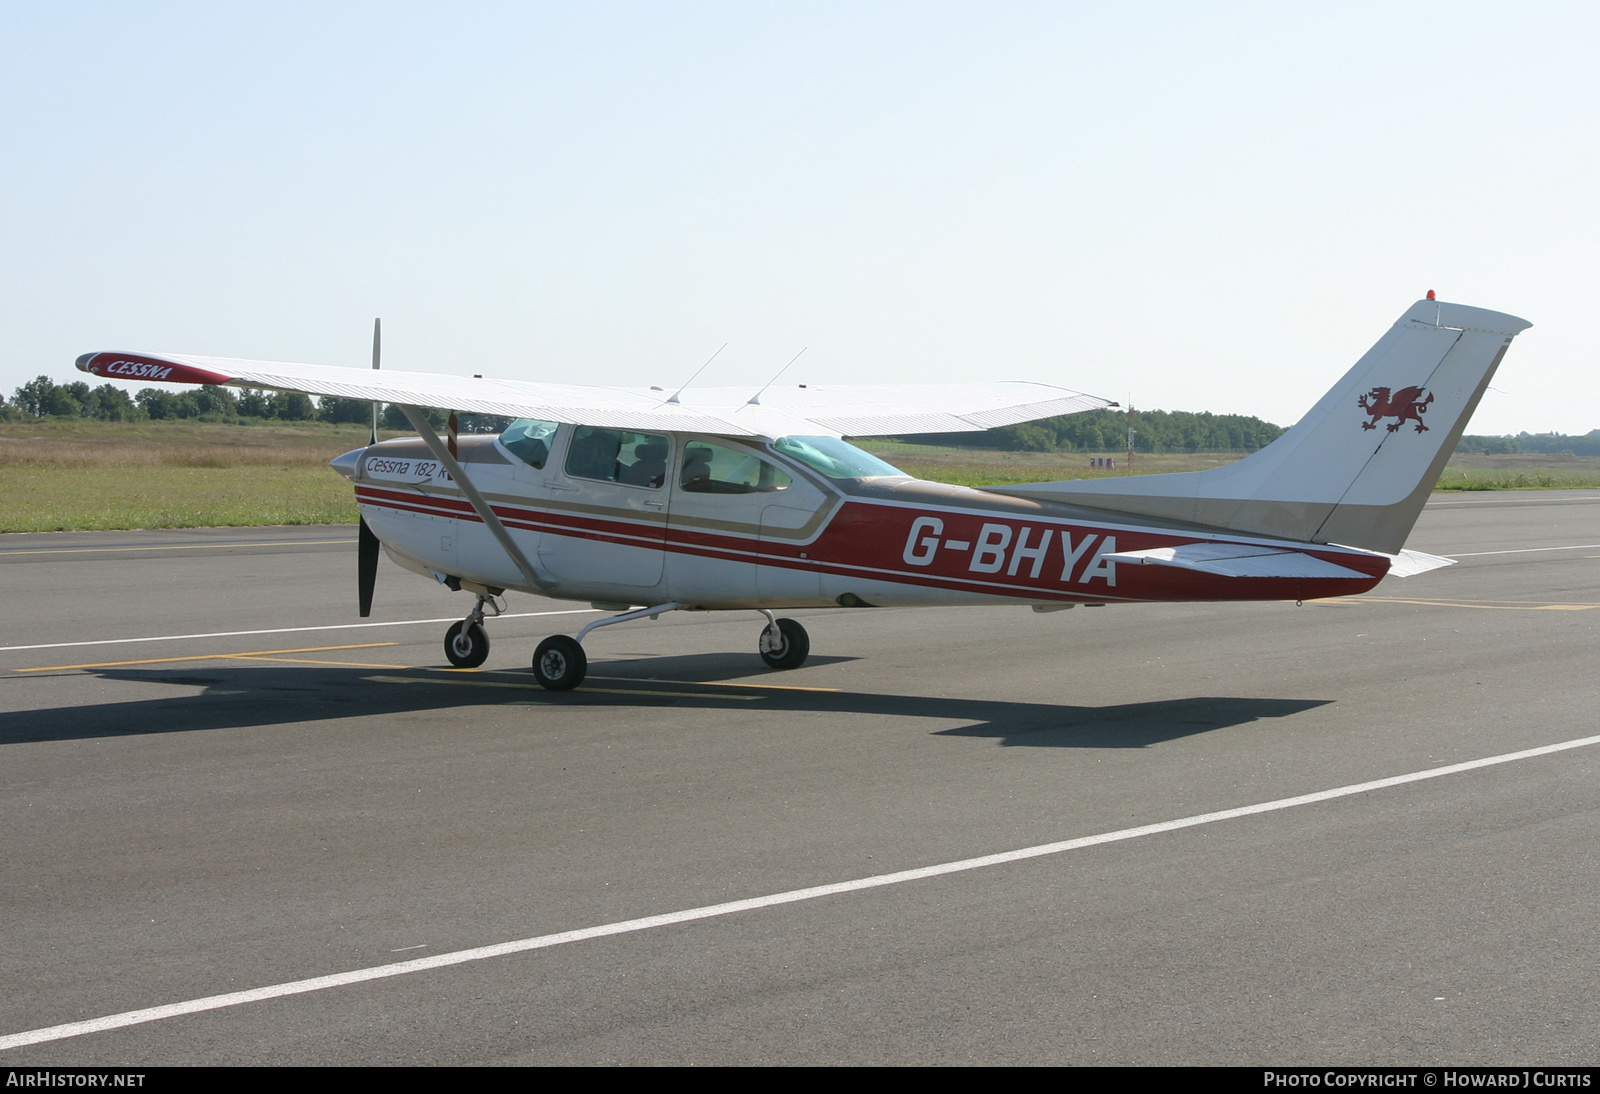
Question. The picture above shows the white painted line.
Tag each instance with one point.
(290, 630)
(711, 911)
(1523, 550)
(6, 551)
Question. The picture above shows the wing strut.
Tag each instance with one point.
(479, 504)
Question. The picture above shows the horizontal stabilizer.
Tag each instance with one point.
(1412, 563)
(1238, 560)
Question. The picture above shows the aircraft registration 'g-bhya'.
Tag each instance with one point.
(720, 500)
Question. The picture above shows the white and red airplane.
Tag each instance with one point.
(720, 500)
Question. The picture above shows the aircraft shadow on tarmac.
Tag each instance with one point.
(236, 695)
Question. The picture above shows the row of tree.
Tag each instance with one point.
(1558, 444)
(1107, 431)
(1182, 431)
(44, 398)
(1090, 431)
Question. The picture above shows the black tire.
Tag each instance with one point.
(466, 649)
(560, 663)
(788, 648)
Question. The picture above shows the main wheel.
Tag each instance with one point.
(560, 663)
(784, 645)
(468, 647)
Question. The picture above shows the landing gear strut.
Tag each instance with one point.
(560, 664)
(466, 644)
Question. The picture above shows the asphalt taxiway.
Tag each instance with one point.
(1143, 834)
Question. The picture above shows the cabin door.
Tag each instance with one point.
(605, 513)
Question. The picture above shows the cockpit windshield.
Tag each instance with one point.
(835, 458)
(529, 440)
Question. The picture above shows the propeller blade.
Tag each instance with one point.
(366, 566)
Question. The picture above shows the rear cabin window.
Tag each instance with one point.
(615, 455)
(528, 439)
(714, 469)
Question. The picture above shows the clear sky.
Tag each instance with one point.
(1201, 206)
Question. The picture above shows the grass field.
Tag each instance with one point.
(1521, 471)
(72, 475)
(64, 475)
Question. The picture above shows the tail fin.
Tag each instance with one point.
(1358, 467)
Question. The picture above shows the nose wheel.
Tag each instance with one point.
(466, 646)
(784, 644)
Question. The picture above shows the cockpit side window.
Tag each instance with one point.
(615, 455)
(715, 469)
(835, 458)
(529, 439)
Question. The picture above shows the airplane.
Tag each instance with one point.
(643, 503)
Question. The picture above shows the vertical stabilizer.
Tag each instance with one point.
(1358, 467)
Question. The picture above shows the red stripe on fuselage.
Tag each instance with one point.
(1033, 557)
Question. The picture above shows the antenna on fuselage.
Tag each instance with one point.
(377, 353)
(674, 396)
(755, 400)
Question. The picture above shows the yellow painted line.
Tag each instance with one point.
(206, 657)
(458, 682)
(1486, 605)
(684, 683)
(313, 661)
(724, 684)
(176, 547)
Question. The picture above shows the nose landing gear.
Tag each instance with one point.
(466, 644)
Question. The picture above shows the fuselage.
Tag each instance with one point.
(656, 531)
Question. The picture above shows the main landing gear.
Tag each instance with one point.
(784, 643)
(560, 664)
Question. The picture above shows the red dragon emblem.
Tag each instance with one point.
(1405, 405)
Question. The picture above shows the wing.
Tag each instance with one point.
(854, 410)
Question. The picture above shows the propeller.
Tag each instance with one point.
(366, 566)
(366, 540)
